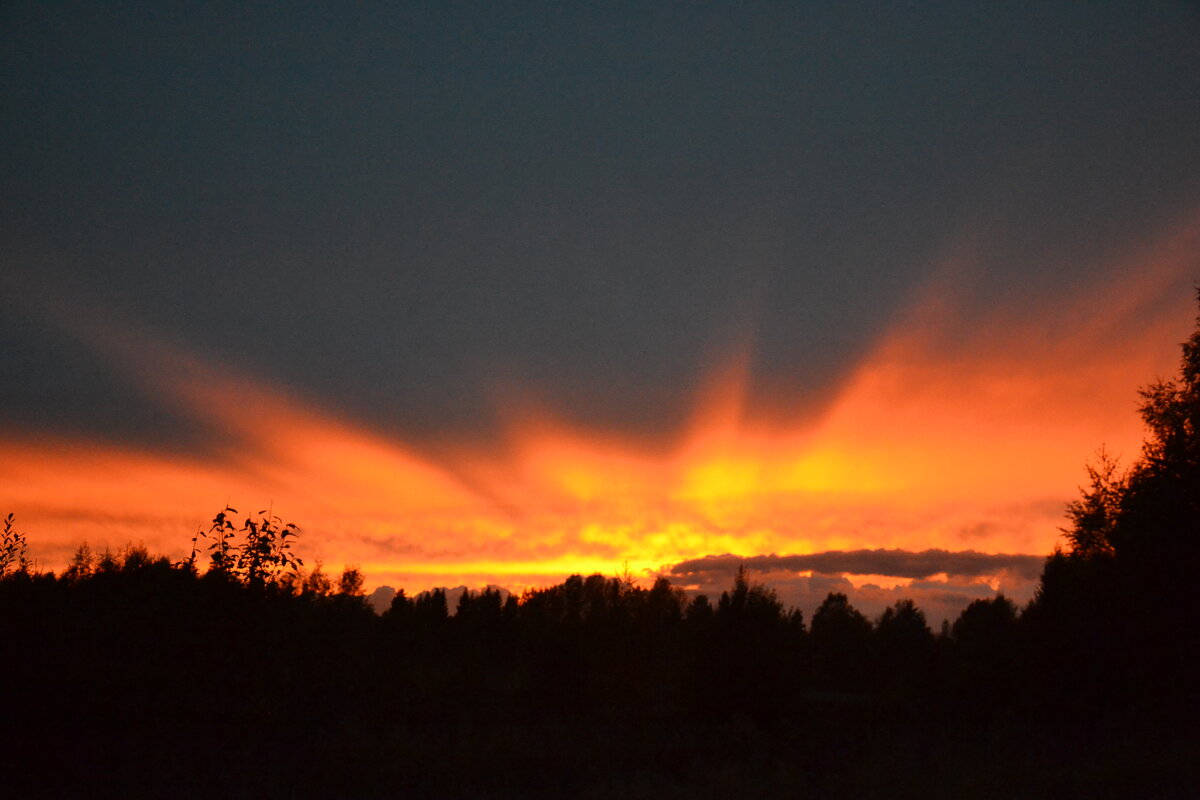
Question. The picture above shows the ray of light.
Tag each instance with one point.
(952, 433)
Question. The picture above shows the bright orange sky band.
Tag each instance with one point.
(953, 433)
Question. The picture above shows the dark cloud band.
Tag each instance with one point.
(894, 563)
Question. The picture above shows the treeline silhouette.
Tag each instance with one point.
(254, 677)
(136, 672)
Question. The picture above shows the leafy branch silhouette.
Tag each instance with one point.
(12, 548)
(261, 557)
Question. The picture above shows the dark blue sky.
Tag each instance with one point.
(404, 211)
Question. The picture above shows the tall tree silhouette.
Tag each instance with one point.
(1120, 595)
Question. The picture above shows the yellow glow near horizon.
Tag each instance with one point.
(948, 435)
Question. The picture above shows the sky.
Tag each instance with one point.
(492, 293)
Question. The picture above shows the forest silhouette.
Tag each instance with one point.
(237, 672)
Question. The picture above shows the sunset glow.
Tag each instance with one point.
(952, 434)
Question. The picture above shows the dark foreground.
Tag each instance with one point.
(146, 679)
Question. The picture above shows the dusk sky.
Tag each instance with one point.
(489, 293)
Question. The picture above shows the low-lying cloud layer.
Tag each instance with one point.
(894, 563)
(941, 582)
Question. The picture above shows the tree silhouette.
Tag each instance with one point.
(430, 609)
(985, 625)
(81, 566)
(700, 611)
(986, 651)
(1121, 592)
(316, 583)
(1094, 515)
(748, 601)
(350, 584)
(1148, 515)
(841, 642)
(905, 647)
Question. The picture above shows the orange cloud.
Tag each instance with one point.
(954, 433)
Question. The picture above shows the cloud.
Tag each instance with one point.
(894, 563)
(941, 582)
(380, 600)
(939, 600)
